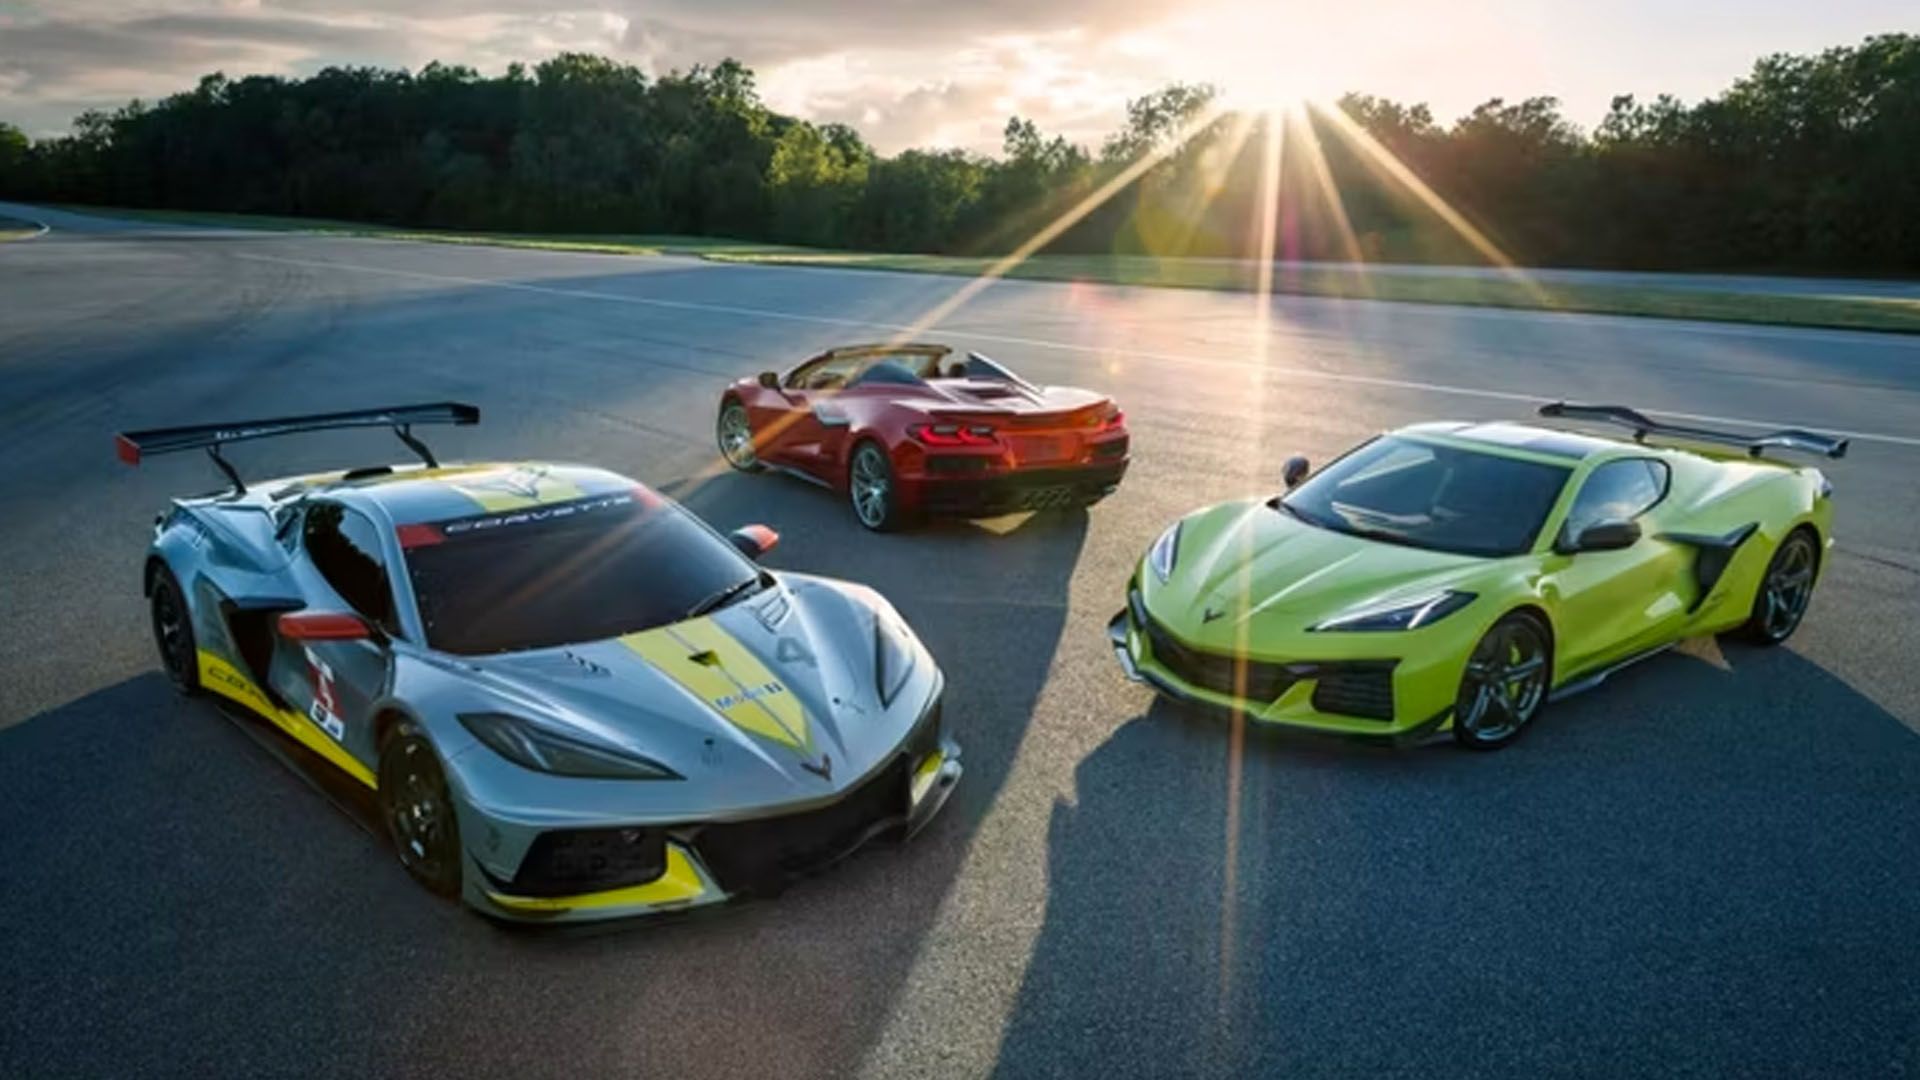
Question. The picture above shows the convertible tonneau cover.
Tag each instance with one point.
(1644, 425)
(132, 446)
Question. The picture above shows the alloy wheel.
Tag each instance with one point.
(1505, 682)
(871, 487)
(736, 437)
(1788, 587)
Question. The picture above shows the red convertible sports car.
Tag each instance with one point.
(906, 430)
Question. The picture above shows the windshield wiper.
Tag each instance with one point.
(725, 596)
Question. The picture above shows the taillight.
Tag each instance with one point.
(1115, 422)
(952, 434)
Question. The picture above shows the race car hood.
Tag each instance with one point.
(772, 696)
(1247, 565)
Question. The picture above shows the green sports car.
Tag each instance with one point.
(1453, 576)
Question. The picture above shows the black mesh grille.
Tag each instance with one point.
(1364, 690)
(1252, 680)
(761, 855)
(571, 861)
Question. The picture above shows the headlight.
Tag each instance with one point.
(531, 746)
(1400, 615)
(1161, 555)
(893, 657)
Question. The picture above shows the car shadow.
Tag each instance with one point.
(179, 902)
(1700, 868)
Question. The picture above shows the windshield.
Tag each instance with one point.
(1431, 496)
(573, 572)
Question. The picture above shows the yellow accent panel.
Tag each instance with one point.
(226, 680)
(731, 679)
(928, 769)
(677, 885)
(516, 488)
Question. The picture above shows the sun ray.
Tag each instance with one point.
(1264, 238)
(1384, 162)
(1301, 123)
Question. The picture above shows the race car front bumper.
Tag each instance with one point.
(699, 864)
(1374, 714)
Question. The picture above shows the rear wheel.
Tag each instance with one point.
(735, 435)
(870, 488)
(1781, 601)
(1505, 683)
(173, 634)
(418, 810)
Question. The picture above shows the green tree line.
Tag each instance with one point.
(1809, 162)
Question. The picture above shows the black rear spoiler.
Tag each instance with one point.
(1644, 425)
(132, 446)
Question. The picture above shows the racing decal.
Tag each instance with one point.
(423, 535)
(226, 680)
(517, 488)
(710, 664)
(326, 708)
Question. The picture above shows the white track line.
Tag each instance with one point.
(1039, 343)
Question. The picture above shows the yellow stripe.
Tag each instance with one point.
(517, 489)
(733, 681)
(226, 680)
(923, 776)
(679, 884)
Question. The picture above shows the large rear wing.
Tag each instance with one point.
(132, 446)
(1643, 425)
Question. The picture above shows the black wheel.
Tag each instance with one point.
(1781, 601)
(870, 488)
(1505, 683)
(418, 811)
(173, 634)
(735, 435)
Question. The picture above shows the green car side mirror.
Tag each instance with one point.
(1294, 471)
(1602, 536)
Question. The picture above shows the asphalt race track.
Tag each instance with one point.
(1710, 866)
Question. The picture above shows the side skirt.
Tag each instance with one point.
(1595, 678)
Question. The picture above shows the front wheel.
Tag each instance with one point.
(735, 435)
(418, 810)
(870, 488)
(1781, 601)
(1505, 683)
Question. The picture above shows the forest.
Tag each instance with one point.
(1808, 163)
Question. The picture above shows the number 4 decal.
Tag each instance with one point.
(326, 708)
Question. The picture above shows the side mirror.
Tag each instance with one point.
(754, 541)
(1294, 471)
(324, 626)
(1604, 536)
(770, 380)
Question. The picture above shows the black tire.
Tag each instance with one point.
(173, 633)
(1505, 683)
(418, 810)
(870, 488)
(1780, 601)
(728, 427)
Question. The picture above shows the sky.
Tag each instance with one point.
(948, 72)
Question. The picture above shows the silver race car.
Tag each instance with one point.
(571, 698)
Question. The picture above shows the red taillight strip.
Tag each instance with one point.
(413, 536)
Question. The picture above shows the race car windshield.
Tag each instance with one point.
(1427, 495)
(604, 568)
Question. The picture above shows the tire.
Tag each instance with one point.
(734, 432)
(870, 488)
(418, 810)
(1505, 683)
(173, 633)
(1780, 601)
